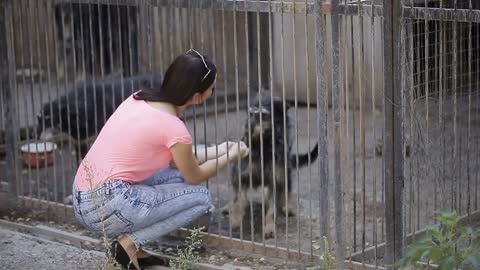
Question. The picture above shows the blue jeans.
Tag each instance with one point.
(145, 211)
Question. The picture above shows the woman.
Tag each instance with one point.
(124, 187)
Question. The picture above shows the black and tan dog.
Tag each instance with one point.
(271, 147)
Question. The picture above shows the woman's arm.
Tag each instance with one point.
(211, 152)
(196, 174)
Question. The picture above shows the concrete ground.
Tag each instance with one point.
(20, 251)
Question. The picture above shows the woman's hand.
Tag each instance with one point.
(224, 147)
(239, 150)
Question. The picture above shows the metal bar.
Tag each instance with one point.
(31, 85)
(354, 141)
(49, 96)
(284, 117)
(120, 47)
(249, 124)
(416, 138)
(435, 86)
(225, 95)
(129, 37)
(362, 125)
(270, 56)
(307, 81)
(237, 107)
(57, 92)
(374, 130)
(443, 14)
(93, 70)
(170, 27)
(84, 87)
(322, 109)
(65, 81)
(347, 87)
(213, 23)
(469, 128)
(39, 67)
(477, 159)
(16, 187)
(159, 48)
(393, 144)
(455, 133)
(45, 35)
(102, 58)
(427, 109)
(204, 105)
(6, 80)
(412, 199)
(193, 31)
(74, 78)
(407, 94)
(295, 91)
(382, 26)
(441, 123)
(337, 177)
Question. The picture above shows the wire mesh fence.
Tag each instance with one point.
(363, 118)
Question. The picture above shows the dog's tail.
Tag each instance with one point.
(303, 158)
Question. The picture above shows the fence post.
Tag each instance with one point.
(322, 107)
(6, 90)
(393, 134)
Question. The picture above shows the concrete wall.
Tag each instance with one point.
(294, 40)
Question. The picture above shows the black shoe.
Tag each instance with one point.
(152, 260)
(121, 256)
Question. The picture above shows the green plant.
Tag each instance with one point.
(446, 244)
(328, 262)
(187, 258)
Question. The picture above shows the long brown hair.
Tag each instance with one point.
(186, 76)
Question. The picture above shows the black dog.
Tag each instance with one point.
(96, 33)
(82, 112)
(260, 134)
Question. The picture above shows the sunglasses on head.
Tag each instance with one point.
(256, 110)
(204, 63)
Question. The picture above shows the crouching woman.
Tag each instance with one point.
(125, 188)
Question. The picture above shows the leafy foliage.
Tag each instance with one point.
(447, 244)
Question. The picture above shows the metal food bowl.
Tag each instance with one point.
(38, 154)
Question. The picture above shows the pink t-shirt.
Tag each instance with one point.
(132, 145)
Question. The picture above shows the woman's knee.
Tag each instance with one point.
(202, 196)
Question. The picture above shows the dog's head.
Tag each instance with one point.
(267, 113)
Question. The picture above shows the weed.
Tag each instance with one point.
(187, 258)
(327, 258)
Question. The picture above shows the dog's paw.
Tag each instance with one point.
(225, 210)
(269, 230)
(236, 219)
